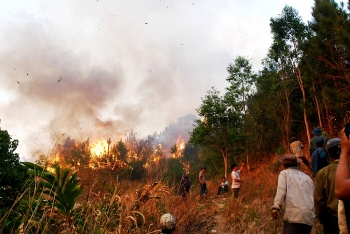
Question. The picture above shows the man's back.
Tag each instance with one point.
(319, 160)
(325, 199)
(295, 190)
(312, 146)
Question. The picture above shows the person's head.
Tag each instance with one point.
(333, 148)
(289, 160)
(203, 168)
(294, 139)
(185, 177)
(223, 179)
(317, 131)
(319, 142)
(234, 166)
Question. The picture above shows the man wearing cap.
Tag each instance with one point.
(318, 135)
(326, 203)
(295, 191)
(202, 182)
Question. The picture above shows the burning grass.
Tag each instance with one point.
(131, 207)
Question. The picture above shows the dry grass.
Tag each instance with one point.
(131, 207)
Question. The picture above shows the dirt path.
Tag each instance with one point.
(220, 227)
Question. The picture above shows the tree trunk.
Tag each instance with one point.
(301, 85)
(329, 120)
(287, 117)
(225, 157)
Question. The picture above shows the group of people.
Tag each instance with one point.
(325, 198)
(223, 187)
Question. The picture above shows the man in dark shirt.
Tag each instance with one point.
(326, 203)
(185, 186)
(319, 158)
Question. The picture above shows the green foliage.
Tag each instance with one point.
(251, 215)
(242, 80)
(191, 152)
(12, 173)
(326, 63)
(137, 170)
(220, 129)
(174, 171)
(122, 150)
(63, 187)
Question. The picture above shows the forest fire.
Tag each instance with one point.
(99, 148)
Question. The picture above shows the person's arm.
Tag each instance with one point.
(242, 166)
(342, 175)
(280, 194)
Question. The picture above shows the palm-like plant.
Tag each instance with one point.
(61, 187)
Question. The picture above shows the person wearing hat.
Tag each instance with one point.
(296, 148)
(318, 134)
(326, 203)
(202, 182)
(319, 157)
(295, 191)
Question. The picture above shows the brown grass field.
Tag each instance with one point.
(131, 207)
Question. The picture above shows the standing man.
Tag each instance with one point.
(319, 158)
(297, 149)
(185, 186)
(326, 203)
(236, 179)
(202, 182)
(317, 135)
(295, 191)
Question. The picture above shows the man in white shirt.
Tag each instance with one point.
(295, 191)
(236, 179)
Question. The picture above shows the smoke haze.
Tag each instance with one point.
(99, 69)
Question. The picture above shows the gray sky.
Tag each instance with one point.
(101, 68)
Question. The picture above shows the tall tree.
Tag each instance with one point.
(326, 61)
(288, 31)
(220, 128)
(242, 82)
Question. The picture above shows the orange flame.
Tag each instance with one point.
(99, 148)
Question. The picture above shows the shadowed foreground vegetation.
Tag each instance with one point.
(131, 207)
